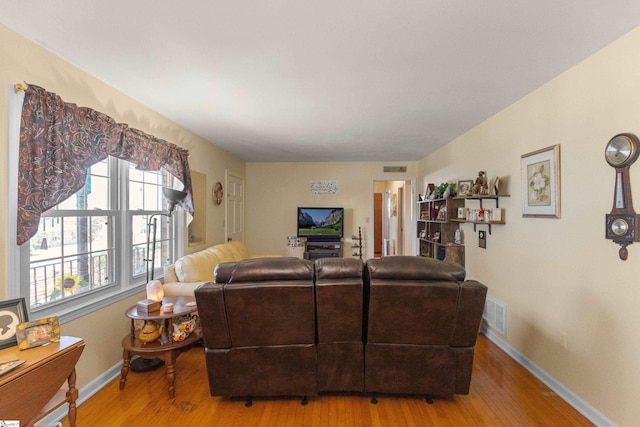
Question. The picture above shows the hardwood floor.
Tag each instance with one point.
(502, 393)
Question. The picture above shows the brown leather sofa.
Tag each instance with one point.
(339, 308)
(291, 327)
(423, 321)
(258, 324)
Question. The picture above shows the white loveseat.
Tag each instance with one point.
(192, 270)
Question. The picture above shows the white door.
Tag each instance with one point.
(234, 216)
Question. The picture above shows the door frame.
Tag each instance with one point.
(409, 216)
(228, 173)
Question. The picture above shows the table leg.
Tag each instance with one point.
(170, 360)
(126, 360)
(72, 396)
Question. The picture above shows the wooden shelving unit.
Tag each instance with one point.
(436, 231)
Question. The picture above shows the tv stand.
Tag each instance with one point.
(318, 249)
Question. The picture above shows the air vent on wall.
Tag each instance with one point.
(395, 168)
(495, 315)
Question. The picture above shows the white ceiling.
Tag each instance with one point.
(335, 80)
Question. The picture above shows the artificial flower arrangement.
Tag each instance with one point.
(68, 285)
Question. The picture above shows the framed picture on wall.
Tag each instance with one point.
(541, 183)
(12, 313)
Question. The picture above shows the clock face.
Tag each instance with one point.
(621, 151)
(619, 227)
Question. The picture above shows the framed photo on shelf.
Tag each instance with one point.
(495, 183)
(464, 187)
(442, 214)
(541, 183)
(37, 333)
(428, 191)
(12, 313)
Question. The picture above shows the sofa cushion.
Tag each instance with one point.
(238, 249)
(197, 267)
(416, 268)
(264, 269)
(180, 289)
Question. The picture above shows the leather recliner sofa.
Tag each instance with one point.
(423, 321)
(258, 325)
(292, 327)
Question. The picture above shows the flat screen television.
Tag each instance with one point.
(321, 224)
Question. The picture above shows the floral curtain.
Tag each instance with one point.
(58, 143)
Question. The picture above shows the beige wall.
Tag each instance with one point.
(555, 275)
(562, 275)
(24, 61)
(275, 190)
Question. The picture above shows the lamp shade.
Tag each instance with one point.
(155, 291)
(174, 197)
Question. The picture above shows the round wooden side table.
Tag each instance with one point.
(165, 347)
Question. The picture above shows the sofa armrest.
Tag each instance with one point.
(213, 315)
(471, 302)
(170, 274)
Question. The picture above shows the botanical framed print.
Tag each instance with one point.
(12, 314)
(541, 182)
(39, 332)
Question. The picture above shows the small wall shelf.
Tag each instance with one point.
(480, 198)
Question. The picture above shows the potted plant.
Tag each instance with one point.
(444, 190)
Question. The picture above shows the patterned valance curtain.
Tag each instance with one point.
(58, 143)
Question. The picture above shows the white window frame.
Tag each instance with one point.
(82, 304)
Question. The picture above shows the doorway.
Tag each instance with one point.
(393, 217)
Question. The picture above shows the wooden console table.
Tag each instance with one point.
(35, 388)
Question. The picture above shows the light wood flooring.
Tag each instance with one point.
(502, 393)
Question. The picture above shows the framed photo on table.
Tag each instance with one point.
(37, 333)
(12, 313)
(541, 183)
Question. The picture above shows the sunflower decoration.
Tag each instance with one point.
(66, 286)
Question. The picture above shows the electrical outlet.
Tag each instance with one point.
(563, 339)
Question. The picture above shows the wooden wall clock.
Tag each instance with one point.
(622, 223)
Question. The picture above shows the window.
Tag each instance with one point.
(94, 244)
(145, 207)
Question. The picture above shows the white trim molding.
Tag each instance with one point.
(595, 416)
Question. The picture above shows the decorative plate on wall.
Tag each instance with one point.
(217, 193)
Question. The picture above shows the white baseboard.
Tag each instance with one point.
(84, 393)
(570, 397)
